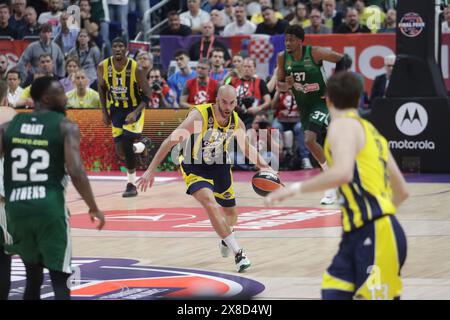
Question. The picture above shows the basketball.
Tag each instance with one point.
(265, 182)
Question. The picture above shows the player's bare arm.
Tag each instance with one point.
(323, 54)
(3, 129)
(346, 138)
(146, 95)
(182, 132)
(283, 82)
(398, 183)
(75, 168)
(249, 150)
(102, 94)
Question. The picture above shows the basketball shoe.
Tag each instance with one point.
(329, 197)
(224, 250)
(306, 164)
(130, 191)
(241, 260)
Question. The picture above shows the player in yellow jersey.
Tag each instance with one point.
(371, 187)
(124, 93)
(208, 130)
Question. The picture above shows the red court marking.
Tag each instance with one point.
(195, 219)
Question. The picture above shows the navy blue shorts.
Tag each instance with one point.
(218, 178)
(121, 127)
(368, 263)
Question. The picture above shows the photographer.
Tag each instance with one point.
(265, 139)
(162, 96)
(253, 95)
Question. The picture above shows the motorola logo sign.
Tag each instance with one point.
(411, 119)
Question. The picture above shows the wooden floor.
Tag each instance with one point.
(288, 262)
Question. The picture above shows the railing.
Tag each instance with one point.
(147, 29)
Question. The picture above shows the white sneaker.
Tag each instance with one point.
(329, 197)
(224, 250)
(242, 262)
(306, 164)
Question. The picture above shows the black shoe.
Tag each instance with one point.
(130, 191)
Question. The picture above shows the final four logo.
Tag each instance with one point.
(113, 279)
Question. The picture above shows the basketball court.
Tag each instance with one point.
(161, 244)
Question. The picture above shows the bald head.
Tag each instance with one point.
(226, 100)
(226, 91)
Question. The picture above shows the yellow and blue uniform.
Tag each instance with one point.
(205, 162)
(373, 246)
(122, 97)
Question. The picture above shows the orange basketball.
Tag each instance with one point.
(265, 182)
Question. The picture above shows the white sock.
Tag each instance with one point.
(139, 147)
(131, 177)
(232, 243)
(324, 166)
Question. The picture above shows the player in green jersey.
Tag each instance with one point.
(300, 70)
(6, 114)
(38, 148)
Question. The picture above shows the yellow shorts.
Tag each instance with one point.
(119, 125)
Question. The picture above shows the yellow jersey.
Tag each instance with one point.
(122, 88)
(369, 195)
(210, 146)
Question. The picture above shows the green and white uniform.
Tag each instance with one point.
(35, 182)
(308, 89)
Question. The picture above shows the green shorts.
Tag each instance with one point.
(315, 117)
(42, 239)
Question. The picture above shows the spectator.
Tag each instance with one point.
(52, 16)
(217, 20)
(14, 89)
(287, 9)
(178, 80)
(228, 12)
(314, 4)
(194, 17)
(253, 95)
(210, 5)
(241, 25)
(301, 16)
(351, 24)
(372, 17)
(446, 23)
(258, 17)
(266, 141)
(200, 89)
(271, 25)
(144, 61)
(88, 55)
(32, 54)
(95, 36)
(141, 6)
(203, 48)
(391, 22)
(235, 68)
(162, 95)
(175, 27)
(25, 100)
(3, 66)
(118, 11)
(218, 71)
(17, 21)
(381, 82)
(72, 66)
(316, 26)
(287, 121)
(31, 27)
(45, 67)
(5, 29)
(99, 12)
(67, 37)
(331, 17)
(82, 96)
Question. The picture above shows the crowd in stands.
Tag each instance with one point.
(70, 50)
